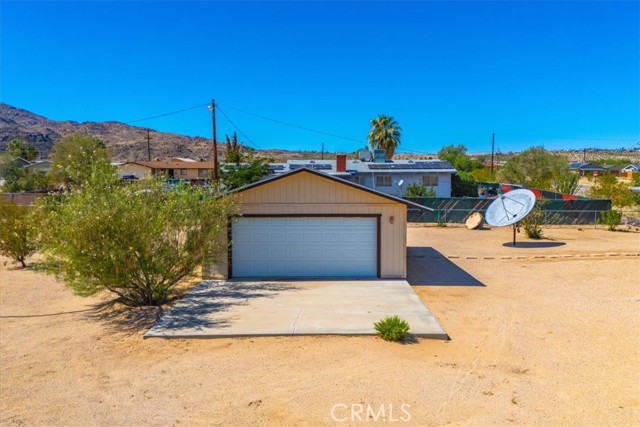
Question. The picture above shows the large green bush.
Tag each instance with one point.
(72, 158)
(610, 187)
(611, 219)
(235, 176)
(12, 171)
(17, 232)
(134, 240)
(537, 168)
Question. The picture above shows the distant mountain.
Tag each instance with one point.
(125, 142)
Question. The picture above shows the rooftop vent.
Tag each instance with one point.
(364, 155)
(379, 156)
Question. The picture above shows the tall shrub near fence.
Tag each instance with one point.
(137, 241)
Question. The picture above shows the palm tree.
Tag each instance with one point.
(234, 151)
(385, 134)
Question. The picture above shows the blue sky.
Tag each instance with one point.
(558, 74)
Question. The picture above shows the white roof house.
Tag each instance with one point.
(634, 167)
(390, 177)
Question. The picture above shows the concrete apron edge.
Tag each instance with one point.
(437, 336)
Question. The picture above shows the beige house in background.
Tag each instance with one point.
(135, 169)
(309, 224)
(174, 169)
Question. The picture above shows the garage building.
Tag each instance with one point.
(306, 223)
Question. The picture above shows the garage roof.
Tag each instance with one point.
(335, 179)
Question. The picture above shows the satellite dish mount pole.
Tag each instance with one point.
(515, 227)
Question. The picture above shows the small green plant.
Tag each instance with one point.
(441, 218)
(392, 328)
(415, 190)
(17, 232)
(610, 218)
(431, 193)
(532, 223)
(419, 191)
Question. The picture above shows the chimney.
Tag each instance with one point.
(341, 163)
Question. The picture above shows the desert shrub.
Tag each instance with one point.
(416, 190)
(17, 232)
(72, 158)
(483, 175)
(610, 187)
(610, 218)
(536, 167)
(135, 240)
(392, 328)
(532, 223)
(565, 182)
(234, 176)
(16, 177)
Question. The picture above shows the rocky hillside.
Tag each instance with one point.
(124, 142)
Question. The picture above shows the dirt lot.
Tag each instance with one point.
(542, 334)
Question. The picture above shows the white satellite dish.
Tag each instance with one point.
(401, 182)
(509, 208)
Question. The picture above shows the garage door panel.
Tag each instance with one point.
(278, 236)
(304, 247)
(313, 237)
(358, 238)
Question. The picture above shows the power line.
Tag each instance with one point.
(236, 127)
(567, 139)
(295, 126)
(412, 151)
(167, 114)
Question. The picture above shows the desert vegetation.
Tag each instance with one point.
(137, 241)
(17, 232)
(392, 328)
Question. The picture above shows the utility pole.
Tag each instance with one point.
(493, 140)
(148, 146)
(322, 150)
(214, 141)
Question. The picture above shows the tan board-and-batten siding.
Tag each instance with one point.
(310, 194)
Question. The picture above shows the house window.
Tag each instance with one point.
(203, 173)
(430, 180)
(359, 179)
(383, 180)
(183, 171)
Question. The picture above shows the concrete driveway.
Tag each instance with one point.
(266, 308)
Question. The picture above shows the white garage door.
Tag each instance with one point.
(304, 247)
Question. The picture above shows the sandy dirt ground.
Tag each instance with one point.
(552, 337)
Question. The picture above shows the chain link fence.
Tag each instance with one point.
(556, 212)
